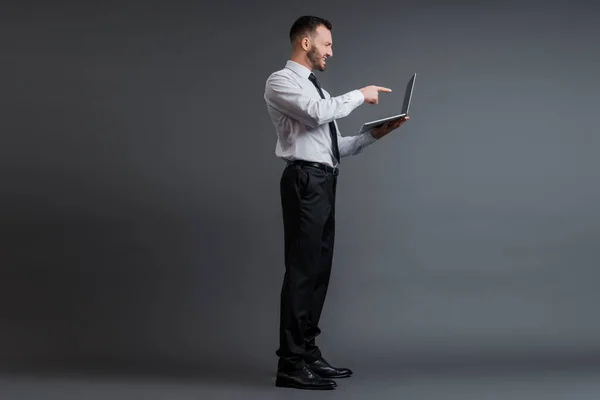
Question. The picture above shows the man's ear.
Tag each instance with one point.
(305, 43)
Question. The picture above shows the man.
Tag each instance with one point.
(309, 140)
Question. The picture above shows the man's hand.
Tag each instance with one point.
(380, 132)
(371, 93)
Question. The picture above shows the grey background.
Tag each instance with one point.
(140, 213)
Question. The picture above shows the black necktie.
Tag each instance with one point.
(332, 130)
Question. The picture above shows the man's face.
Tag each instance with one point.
(320, 49)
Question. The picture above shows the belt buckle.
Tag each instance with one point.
(336, 170)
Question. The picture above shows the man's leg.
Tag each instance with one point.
(314, 358)
(305, 212)
(322, 280)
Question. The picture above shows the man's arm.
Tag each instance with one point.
(353, 145)
(290, 100)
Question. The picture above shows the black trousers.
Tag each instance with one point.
(308, 205)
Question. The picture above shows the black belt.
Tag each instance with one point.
(332, 170)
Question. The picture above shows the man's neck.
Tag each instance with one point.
(302, 61)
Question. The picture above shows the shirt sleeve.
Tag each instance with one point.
(288, 98)
(353, 145)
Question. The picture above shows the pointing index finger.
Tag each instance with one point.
(383, 89)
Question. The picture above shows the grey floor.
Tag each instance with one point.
(527, 384)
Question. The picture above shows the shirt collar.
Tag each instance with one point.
(298, 68)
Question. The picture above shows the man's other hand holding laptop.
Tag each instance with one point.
(380, 132)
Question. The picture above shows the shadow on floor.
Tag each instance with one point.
(230, 376)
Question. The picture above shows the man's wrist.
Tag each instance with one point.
(370, 137)
(359, 96)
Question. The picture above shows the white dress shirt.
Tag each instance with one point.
(301, 117)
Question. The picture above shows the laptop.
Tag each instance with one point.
(368, 126)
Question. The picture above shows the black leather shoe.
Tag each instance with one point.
(324, 370)
(303, 378)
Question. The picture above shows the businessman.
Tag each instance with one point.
(308, 140)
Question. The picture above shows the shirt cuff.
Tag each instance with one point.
(368, 139)
(358, 96)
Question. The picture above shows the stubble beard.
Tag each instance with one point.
(315, 59)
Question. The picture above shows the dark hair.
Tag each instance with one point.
(307, 25)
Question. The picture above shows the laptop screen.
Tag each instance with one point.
(408, 94)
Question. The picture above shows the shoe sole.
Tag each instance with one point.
(284, 383)
(336, 376)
